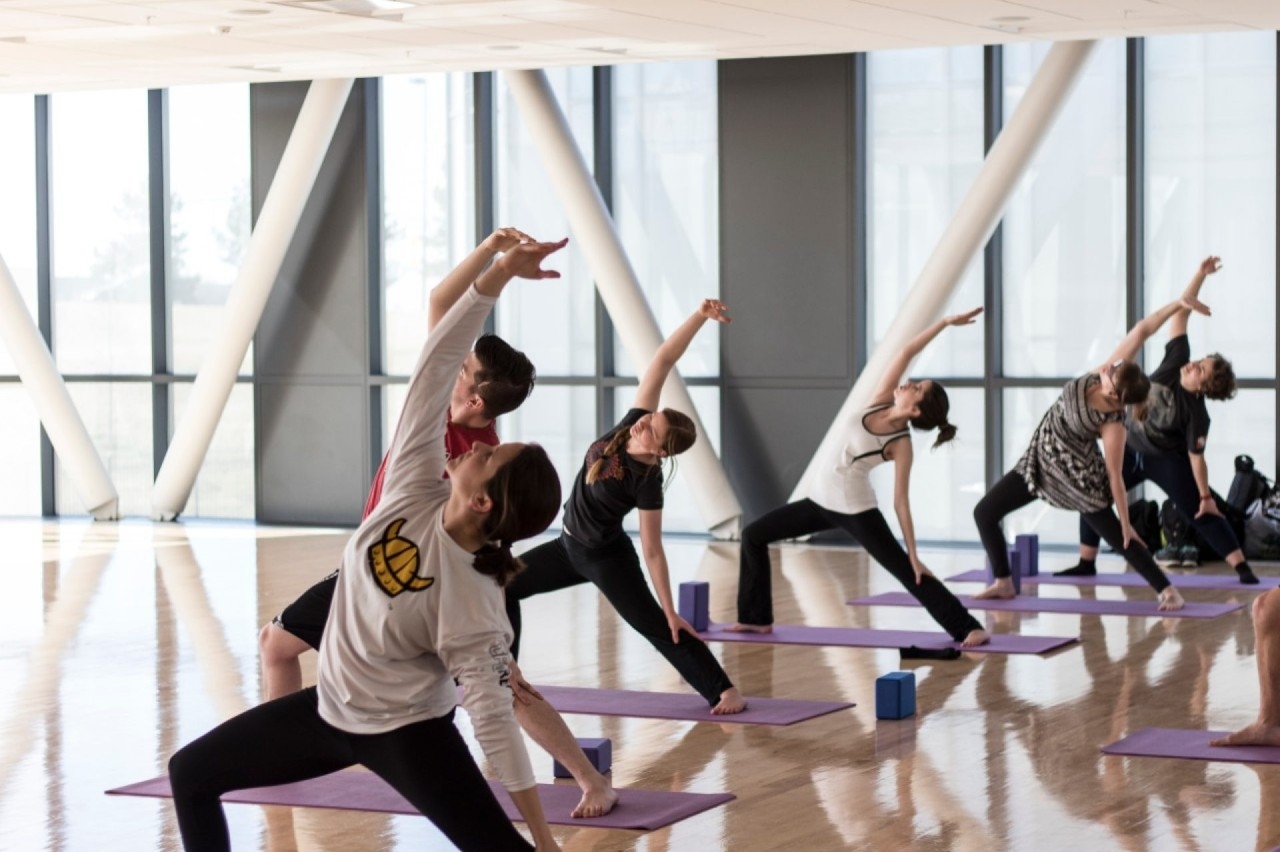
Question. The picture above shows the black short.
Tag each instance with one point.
(306, 617)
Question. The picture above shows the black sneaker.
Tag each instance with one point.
(1189, 556)
(1169, 555)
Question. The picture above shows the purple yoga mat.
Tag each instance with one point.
(1079, 607)
(1131, 578)
(862, 637)
(676, 705)
(364, 791)
(1178, 742)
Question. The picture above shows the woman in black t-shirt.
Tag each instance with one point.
(623, 471)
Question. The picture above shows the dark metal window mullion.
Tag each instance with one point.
(44, 286)
(859, 133)
(993, 279)
(602, 168)
(158, 207)
(486, 184)
(376, 302)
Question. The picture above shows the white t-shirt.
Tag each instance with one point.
(843, 482)
(410, 613)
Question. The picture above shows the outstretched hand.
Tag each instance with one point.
(714, 309)
(965, 318)
(1190, 303)
(677, 623)
(1210, 265)
(921, 570)
(525, 260)
(505, 239)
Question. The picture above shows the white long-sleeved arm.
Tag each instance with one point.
(419, 436)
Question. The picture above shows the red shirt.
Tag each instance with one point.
(457, 440)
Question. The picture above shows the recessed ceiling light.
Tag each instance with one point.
(1010, 19)
(504, 47)
(14, 39)
(250, 12)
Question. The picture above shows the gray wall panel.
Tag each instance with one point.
(311, 349)
(787, 240)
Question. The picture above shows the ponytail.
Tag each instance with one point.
(611, 449)
(525, 493)
(946, 434)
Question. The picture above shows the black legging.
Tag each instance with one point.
(1172, 472)
(755, 588)
(615, 570)
(1011, 493)
(286, 740)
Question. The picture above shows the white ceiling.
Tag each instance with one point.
(53, 45)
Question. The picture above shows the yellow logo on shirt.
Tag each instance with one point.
(394, 562)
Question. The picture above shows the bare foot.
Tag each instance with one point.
(749, 628)
(597, 800)
(731, 701)
(1255, 734)
(976, 638)
(1000, 590)
(1170, 600)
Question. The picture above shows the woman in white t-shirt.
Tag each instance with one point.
(843, 498)
(419, 604)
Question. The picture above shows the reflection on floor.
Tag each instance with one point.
(120, 642)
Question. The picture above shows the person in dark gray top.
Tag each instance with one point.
(623, 471)
(1168, 447)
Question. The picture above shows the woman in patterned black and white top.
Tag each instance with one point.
(1064, 467)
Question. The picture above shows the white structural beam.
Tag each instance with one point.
(970, 228)
(53, 403)
(616, 281)
(274, 230)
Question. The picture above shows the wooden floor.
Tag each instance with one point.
(118, 643)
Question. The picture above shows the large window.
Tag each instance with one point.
(924, 111)
(666, 196)
(553, 322)
(1064, 228)
(1211, 189)
(208, 215)
(428, 201)
(18, 208)
(101, 226)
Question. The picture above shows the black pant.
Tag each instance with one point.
(1011, 493)
(755, 589)
(286, 740)
(615, 569)
(1172, 472)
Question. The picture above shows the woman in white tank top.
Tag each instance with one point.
(843, 498)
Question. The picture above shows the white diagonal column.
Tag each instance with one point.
(274, 230)
(53, 403)
(969, 230)
(616, 281)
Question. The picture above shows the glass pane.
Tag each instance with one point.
(224, 487)
(19, 452)
(560, 418)
(101, 226)
(666, 196)
(1064, 229)
(925, 148)
(680, 510)
(553, 321)
(428, 198)
(1023, 409)
(946, 483)
(1211, 189)
(118, 417)
(209, 215)
(18, 210)
(1235, 431)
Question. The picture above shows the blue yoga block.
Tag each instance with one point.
(896, 695)
(694, 606)
(1028, 546)
(1015, 569)
(598, 751)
